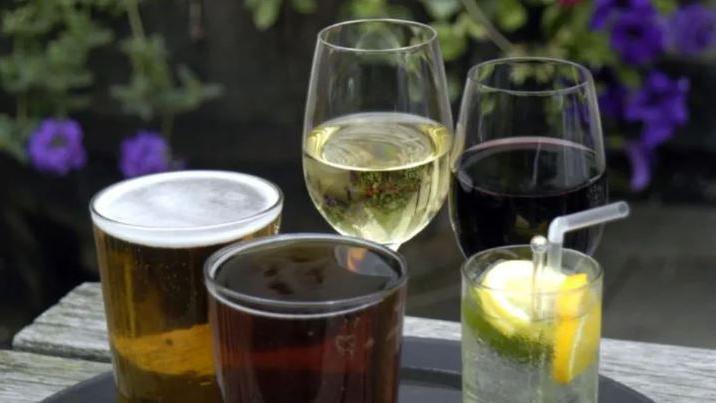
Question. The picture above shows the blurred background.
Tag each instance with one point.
(93, 91)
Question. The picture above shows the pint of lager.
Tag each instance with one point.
(153, 235)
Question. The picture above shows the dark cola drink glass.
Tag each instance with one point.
(307, 318)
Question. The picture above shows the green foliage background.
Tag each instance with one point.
(46, 69)
(59, 37)
(564, 29)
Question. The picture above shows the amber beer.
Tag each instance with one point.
(153, 235)
(307, 318)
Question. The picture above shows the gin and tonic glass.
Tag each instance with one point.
(527, 342)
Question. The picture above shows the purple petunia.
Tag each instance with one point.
(692, 29)
(638, 38)
(147, 152)
(606, 10)
(640, 160)
(660, 105)
(56, 146)
(612, 100)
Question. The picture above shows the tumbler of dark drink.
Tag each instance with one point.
(307, 318)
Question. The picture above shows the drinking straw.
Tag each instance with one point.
(552, 245)
(587, 218)
(539, 246)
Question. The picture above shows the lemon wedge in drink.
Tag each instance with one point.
(505, 296)
(568, 325)
(577, 328)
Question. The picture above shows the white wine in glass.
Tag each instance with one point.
(381, 176)
(378, 129)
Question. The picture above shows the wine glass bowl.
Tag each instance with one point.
(530, 149)
(377, 131)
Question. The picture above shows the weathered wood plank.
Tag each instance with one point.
(27, 377)
(75, 328)
(63, 341)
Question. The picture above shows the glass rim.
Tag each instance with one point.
(335, 306)
(178, 174)
(396, 21)
(465, 268)
(585, 81)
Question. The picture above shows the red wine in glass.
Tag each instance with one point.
(503, 192)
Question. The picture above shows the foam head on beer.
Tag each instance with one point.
(188, 208)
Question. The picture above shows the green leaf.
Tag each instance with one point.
(442, 9)
(665, 7)
(111, 6)
(265, 13)
(304, 6)
(593, 49)
(135, 97)
(452, 41)
(398, 11)
(511, 15)
(8, 142)
(26, 70)
(374, 8)
(32, 19)
(628, 76)
(152, 90)
(454, 85)
(14, 135)
(553, 18)
(580, 16)
(471, 27)
(195, 89)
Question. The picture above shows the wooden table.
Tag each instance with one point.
(68, 344)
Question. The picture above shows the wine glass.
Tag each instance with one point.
(377, 133)
(530, 149)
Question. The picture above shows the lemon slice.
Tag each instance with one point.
(577, 329)
(506, 295)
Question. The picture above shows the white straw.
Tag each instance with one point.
(582, 219)
(539, 247)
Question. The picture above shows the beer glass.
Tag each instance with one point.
(307, 318)
(153, 235)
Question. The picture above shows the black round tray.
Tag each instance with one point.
(430, 373)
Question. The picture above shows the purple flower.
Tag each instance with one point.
(640, 160)
(56, 147)
(660, 105)
(612, 100)
(638, 38)
(655, 134)
(693, 28)
(147, 152)
(606, 10)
